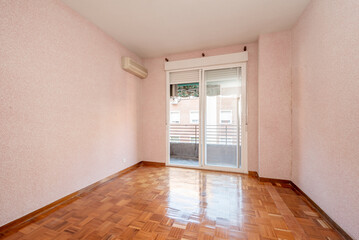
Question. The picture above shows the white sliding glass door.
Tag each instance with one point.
(184, 120)
(223, 117)
(206, 118)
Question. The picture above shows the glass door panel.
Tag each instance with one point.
(222, 123)
(184, 119)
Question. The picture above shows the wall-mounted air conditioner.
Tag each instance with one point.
(129, 65)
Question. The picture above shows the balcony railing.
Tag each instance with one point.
(224, 134)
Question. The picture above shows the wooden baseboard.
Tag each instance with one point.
(306, 198)
(153, 164)
(271, 180)
(27, 219)
(253, 174)
(333, 224)
(274, 180)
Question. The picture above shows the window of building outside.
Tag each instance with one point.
(194, 117)
(175, 117)
(225, 117)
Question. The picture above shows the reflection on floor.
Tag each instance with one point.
(194, 162)
(216, 154)
(183, 161)
(221, 164)
(174, 203)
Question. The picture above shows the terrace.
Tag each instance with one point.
(221, 144)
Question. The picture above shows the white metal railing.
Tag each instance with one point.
(224, 134)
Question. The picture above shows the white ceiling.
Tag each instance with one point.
(153, 28)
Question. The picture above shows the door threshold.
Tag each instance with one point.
(210, 168)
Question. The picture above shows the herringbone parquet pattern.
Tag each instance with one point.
(173, 203)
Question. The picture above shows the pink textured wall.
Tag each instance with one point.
(326, 109)
(154, 103)
(274, 105)
(68, 113)
(154, 112)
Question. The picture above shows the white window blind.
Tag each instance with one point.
(225, 82)
(222, 74)
(184, 77)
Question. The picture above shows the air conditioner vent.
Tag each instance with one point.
(129, 65)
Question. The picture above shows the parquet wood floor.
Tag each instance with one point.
(173, 203)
